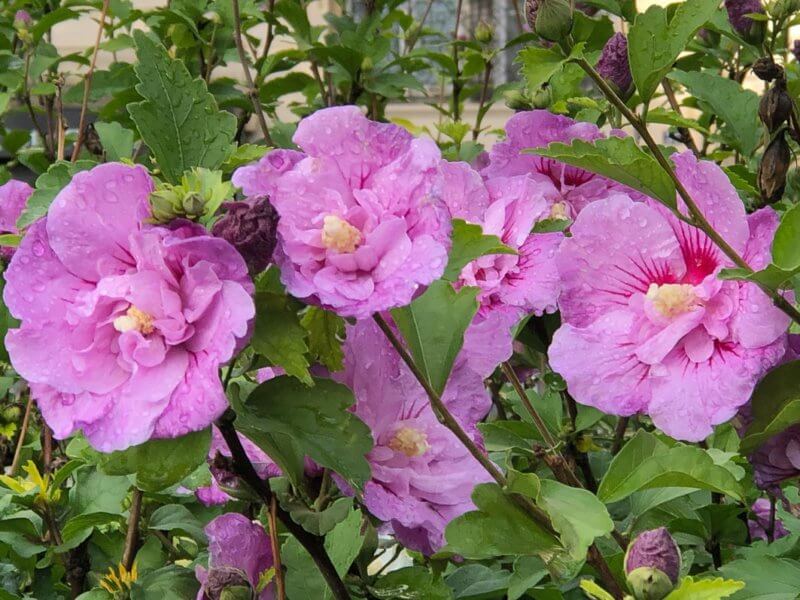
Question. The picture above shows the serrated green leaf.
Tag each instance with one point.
(178, 119)
(497, 528)
(540, 64)
(655, 42)
(159, 463)
(279, 335)
(411, 583)
(433, 326)
(775, 405)
(619, 159)
(312, 420)
(645, 462)
(325, 330)
(736, 106)
(244, 154)
(705, 589)
(469, 243)
(318, 522)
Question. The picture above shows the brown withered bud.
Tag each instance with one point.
(773, 169)
(766, 69)
(775, 106)
(92, 140)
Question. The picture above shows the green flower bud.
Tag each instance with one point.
(484, 32)
(197, 197)
(367, 64)
(649, 583)
(516, 100)
(236, 593)
(550, 19)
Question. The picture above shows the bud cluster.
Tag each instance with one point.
(197, 197)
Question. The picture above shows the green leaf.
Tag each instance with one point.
(527, 572)
(47, 187)
(765, 578)
(313, 521)
(244, 154)
(645, 462)
(469, 243)
(705, 589)
(279, 335)
(540, 64)
(670, 117)
(654, 42)
(159, 464)
(775, 405)
(343, 543)
(169, 583)
(314, 421)
(595, 591)
(786, 243)
(498, 528)
(576, 514)
(176, 516)
(433, 326)
(94, 491)
(771, 276)
(178, 119)
(325, 330)
(411, 583)
(730, 102)
(117, 141)
(619, 159)
(77, 528)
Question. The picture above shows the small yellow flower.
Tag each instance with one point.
(119, 583)
(34, 481)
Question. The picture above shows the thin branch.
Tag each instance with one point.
(245, 470)
(619, 434)
(252, 91)
(686, 135)
(456, 82)
(132, 535)
(23, 431)
(26, 97)
(413, 41)
(698, 218)
(487, 80)
(548, 438)
(60, 125)
(87, 83)
(276, 548)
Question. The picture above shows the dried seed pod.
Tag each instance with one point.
(775, 106)
(766, 69)
(773, 169)
(91, 140)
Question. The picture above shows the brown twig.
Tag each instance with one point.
(619, 434)
(87, 83)
(132, 535)
(276, 548)
(487, 80)
(60, 134)
(686, 135)
(252, 91)
(23, 431)
(245, 470)
(47, 448)
(456, 82)
(26, 97)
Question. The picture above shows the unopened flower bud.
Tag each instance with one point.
(367, 64)
(613, 65)
(773, 169)
(251, 228)
(549, 19)
(222, 579)
(22, 19)
(762, 522)
(484, 32)
(751, 30)
(212, 16)
(516, 100)
(542, 98)
(783, 9)
(796, 50)
(766, 69)
(652, 564)
(775, 106)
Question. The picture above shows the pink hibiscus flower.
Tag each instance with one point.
(13, 199)
(124, 325)
(647, 325)
(508, 207)
(422, 476)
(362, 224)
(574, 188)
